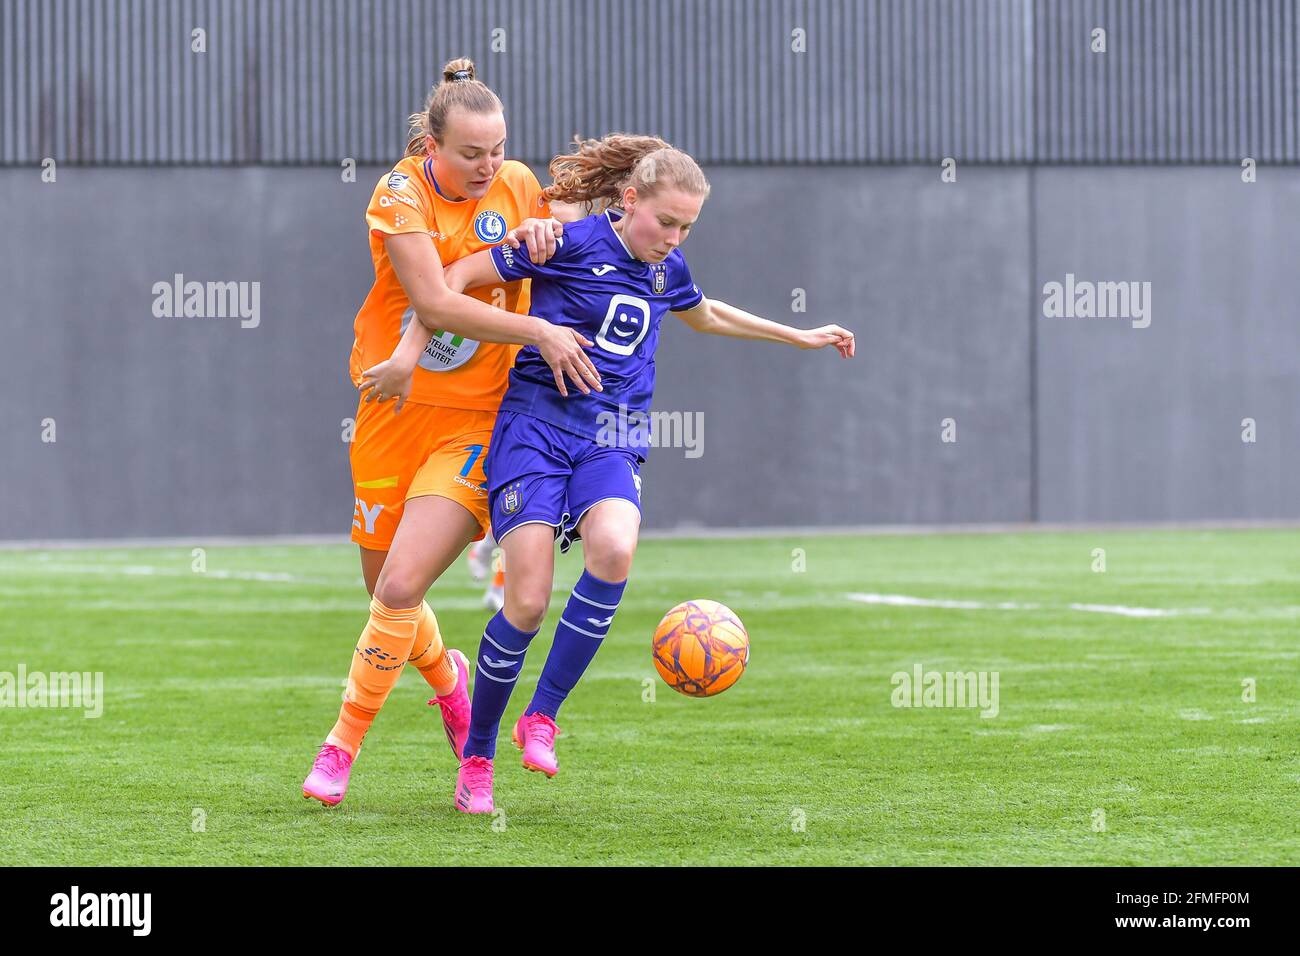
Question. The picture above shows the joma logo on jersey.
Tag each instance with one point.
(490, 226)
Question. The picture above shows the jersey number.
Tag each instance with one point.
(474, 452)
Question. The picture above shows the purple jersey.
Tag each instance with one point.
(595, 285)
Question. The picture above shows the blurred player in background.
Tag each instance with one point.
(569, 468)
(419, 483)
(484, 557)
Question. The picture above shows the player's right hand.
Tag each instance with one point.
(386, 380)
(540, 234)
(562, 350)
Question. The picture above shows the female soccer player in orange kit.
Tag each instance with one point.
(419, 482)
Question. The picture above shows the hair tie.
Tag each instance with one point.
(461, 75)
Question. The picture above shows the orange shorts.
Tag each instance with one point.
(425, 450)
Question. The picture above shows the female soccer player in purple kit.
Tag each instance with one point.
(567, 467)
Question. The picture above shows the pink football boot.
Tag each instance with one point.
(328, 780)
(474, 785)
(455, 706)
(534, 734)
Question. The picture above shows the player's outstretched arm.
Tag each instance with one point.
(717, 318)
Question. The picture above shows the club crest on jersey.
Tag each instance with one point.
(397, 180)
(490, 226)
(661, 278)
(510, 499)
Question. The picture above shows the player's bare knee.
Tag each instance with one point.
(609, 557)
(397, 590)
(527, 609)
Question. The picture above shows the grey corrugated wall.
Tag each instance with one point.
(299, 82)
(96, 81)
(1179, 81)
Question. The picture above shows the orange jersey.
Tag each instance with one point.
(455, 372)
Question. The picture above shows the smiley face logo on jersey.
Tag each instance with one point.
(490, 226)
(626, 323)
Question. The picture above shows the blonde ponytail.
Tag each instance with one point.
(459, 87)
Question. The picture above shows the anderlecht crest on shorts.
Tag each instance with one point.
(510, 499)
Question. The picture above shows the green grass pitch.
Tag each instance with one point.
(219, 687)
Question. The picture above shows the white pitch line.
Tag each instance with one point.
(906, 600)
(1138, 611)
(146, 570)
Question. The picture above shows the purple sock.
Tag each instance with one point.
(500, 659)
(582, 628)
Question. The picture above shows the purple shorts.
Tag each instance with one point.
(538, 473)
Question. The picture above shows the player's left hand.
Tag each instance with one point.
(834, 335)
(386, 380)
(540, 234)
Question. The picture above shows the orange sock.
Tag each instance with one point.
(381, 652)
(430, 656)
